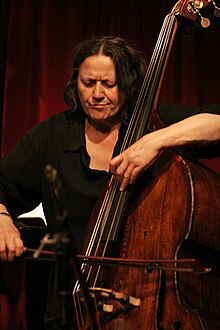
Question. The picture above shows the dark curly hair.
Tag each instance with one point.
(130, 65)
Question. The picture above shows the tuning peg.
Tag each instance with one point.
(217, 9)
(200, 21)
(217, 12)
(205, 22)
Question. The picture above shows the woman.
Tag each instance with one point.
(83, 142)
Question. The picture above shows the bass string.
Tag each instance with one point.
(152, 74)
(136, 125)
(76, 291)
(145, 99)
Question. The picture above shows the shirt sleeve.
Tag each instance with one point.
(171, 113)
(21, 175)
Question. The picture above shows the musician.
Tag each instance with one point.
(83, 142)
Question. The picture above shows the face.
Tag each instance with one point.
(98, 91)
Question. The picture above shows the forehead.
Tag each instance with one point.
(98, 67)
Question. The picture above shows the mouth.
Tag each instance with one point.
(99, 106)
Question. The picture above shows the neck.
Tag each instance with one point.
(101, 128)
(100, 143)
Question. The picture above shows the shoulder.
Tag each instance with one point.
(171, 113)
(57, 126)
(62, 119)
(56, 130)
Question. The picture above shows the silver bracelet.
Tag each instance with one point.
(6, 214)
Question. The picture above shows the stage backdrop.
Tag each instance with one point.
(37, 38)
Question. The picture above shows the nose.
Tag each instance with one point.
(98, 91)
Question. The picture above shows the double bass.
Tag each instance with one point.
(160, 237)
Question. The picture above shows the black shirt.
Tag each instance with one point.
(60, 142)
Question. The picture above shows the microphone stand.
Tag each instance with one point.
(63, 245)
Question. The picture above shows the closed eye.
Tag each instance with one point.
(105, 83)
(108, 84)
(89, 83)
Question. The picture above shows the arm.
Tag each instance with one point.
(198, 130)
(19, 180)
(11, 244)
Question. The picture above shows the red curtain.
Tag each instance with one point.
(38, 36)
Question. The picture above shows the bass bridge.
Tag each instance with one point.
(110, 304)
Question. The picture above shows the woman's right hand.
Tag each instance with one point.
(11, 244)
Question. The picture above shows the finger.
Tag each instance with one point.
(10, 249)
(19, 247)
(124, 184)
(11, 255)
(3, 254)
(115, 163)
(14, 248)
(130, 176)
(133, 178)
(137, 171)
(126, 178)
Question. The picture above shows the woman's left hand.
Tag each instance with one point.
(198, 130)
(131, 163)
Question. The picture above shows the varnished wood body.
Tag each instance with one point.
(176, 202)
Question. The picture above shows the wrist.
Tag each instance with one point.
(157, 139)
(6, 214)
(166, 138)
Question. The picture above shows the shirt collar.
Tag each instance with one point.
(76, 139)
(76, 134)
